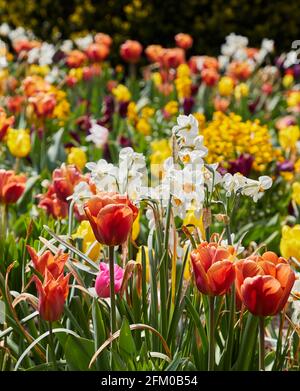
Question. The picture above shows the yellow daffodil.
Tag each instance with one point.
(18, 142)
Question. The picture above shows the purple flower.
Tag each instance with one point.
(188, 104)
(242, 164)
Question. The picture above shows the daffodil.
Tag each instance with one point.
(77, 156)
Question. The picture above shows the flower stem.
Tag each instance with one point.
(113, 322)
(211, 349)
(261, 343)
(51, 345)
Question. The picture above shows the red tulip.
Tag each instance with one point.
(12, 186)
(75, 59)
(65, 179)
(55, 264)
(111, 216)
(131, 51)
(264, 283)
(213, 268)
(52, 295)
(209, 76)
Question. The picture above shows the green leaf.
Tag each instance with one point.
(126, 342)
(78, 352)
(56, 151)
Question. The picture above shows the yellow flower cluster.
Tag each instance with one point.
(227, 137)
(18, 142)
(141, 120)
(183, 81)
(171, 108)
(289, 136)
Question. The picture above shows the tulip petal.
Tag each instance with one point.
(221, 276)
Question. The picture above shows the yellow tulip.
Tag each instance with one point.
(290, 242)
(139, 260)
(121, 93)
(296, 192)
(191, 219)
(136, 228)
(287, 80)
(77, 156)
(18, 142)
(85, 232)
(226, 86)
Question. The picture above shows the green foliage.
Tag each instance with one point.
(207, 21)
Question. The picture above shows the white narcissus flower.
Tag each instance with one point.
(104, 175)
(66, 46)
(268, 45)
(233, 183)
(187, 128)
(82, 191)
(255, 189)
(84, 43)
(4, 29)
(98, 134)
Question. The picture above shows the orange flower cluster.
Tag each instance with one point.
(263, 283)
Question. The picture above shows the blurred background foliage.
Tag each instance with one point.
(156, 21)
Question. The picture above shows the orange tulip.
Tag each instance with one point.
(264, 283)
(53, 204)
(213, 268)
(209, 76)
(103, 39)
(5, 123)
(131, 51)
(43, 104)
(55, 264)
(184, 41)
(97, 52)
(75, 59)
(12, 186)
(153, 52)
(111, 216)
(52, 295)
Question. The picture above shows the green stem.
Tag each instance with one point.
(261, 343)
(113, 321)
(51, 345)
(211, 348)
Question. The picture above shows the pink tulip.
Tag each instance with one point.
(103, 280)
